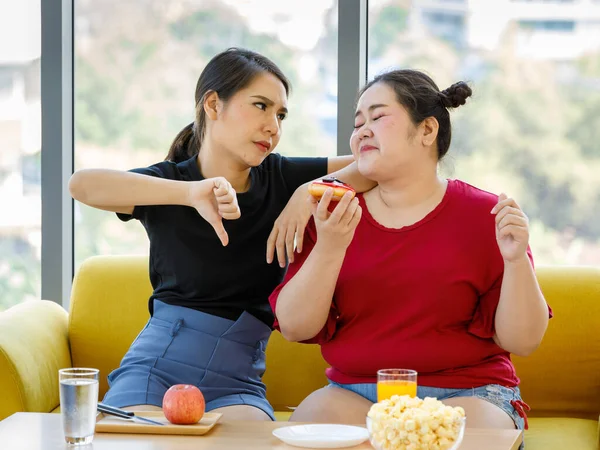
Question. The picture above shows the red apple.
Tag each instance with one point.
(183, 404)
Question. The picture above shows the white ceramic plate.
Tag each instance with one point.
(322, 435)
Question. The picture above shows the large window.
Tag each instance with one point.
(20, 217)
(530, 130)
(532, 127)
(134, 85)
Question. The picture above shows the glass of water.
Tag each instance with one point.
(78, 404)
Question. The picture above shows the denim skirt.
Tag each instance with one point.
(224, 358)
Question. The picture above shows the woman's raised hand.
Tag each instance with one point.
(512, 229)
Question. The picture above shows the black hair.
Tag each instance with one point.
(226, 74)
(421, 97)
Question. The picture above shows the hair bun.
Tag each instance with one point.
(456, 95)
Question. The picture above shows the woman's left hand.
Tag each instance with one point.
(290, 226)
(512, 229)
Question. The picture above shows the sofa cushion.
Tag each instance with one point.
(109, 307)
(31, 329)
(283, 416)
(561, 433)
(293, 372)
(561, 378)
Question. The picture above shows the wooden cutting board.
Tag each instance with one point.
(110, 424)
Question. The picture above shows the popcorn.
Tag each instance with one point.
(407, 423)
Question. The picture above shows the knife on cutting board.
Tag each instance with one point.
(123, 414)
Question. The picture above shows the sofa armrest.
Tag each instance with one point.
(34, 344)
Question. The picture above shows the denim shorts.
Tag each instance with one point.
(224, 358)
(506, 398)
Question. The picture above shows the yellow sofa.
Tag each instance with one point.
(561, 381)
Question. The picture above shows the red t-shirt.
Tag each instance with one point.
(422, 297)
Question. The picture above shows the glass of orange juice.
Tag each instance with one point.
(396, 382)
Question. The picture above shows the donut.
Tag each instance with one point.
(318, 188)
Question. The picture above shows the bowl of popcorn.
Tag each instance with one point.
(407, 423)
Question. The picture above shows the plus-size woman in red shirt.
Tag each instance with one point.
(421, 272)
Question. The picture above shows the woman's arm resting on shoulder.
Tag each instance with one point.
(522, 313)
(345, 168)
(291, 223)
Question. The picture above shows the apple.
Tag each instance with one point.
(183, 404)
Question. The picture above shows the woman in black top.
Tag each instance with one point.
(210, 316)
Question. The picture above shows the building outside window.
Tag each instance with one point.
(532, 127)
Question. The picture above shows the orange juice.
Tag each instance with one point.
(387, 388)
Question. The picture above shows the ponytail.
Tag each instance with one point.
(184, 146)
